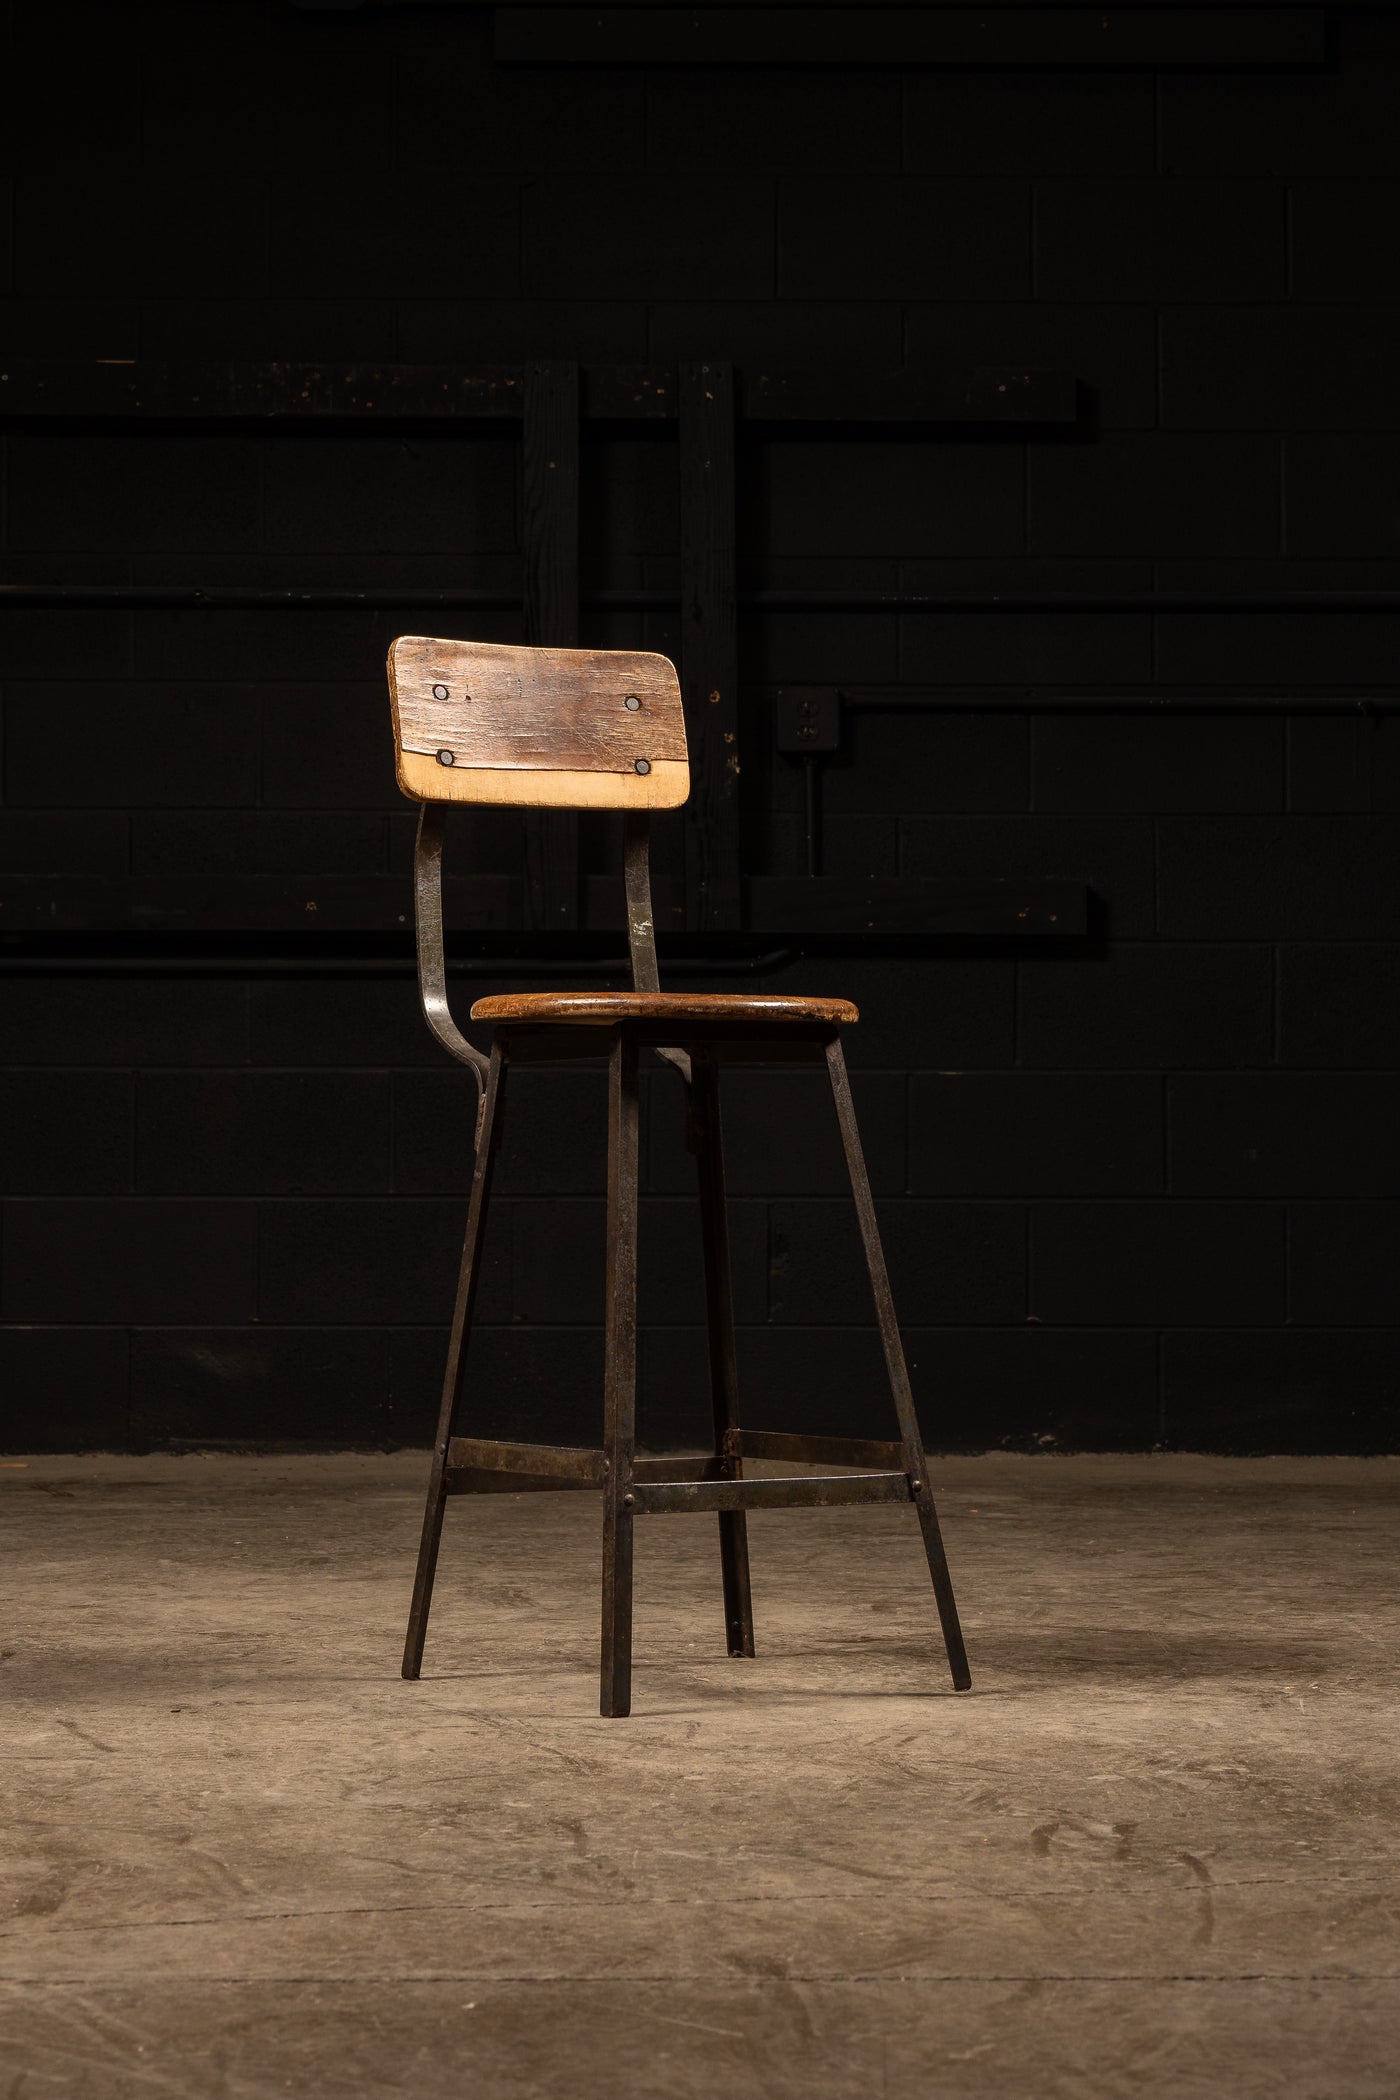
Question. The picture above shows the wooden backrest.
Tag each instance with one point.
(541, 728)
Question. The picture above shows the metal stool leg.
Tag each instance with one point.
(620, 1378)
(487, 1141)
(707, 1143)
(898, 1371)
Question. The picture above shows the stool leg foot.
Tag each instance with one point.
(914, 1460)
(487, 1140)
(734, 1574)
(706, 1139)
(620, 1379)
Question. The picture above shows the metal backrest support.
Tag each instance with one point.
(538, 728)
(484, 723)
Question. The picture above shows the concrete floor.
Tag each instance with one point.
(1153, 1852)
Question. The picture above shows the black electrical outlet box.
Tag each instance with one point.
(808, 718)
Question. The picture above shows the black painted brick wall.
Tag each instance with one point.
(1138, 1191)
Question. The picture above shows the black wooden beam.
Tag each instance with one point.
(550, 515)
(709, 645)
(154, 392)
(911, 35)
(1122, 700)
(836, 908)
(312, 904)
(905, 394)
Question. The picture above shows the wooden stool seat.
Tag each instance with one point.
(541, 729)
(599, 1009)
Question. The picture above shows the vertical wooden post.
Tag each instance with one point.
(709, 645)
(551, 479)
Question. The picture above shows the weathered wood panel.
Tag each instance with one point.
(547, 728)
(601, 1009)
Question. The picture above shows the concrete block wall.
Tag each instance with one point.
(1140, 1191)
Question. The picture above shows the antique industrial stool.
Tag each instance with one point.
(576, 729)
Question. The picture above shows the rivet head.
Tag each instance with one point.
(439, 692)
(445, 758)
(628, 1501)
(643, 765)
(632, 703)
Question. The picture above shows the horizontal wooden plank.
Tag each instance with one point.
(576, 1464)
(829, 905)
(1134, 700)
(888, 36)
(807, 1491)
(156, 390)
(864, 1452)
(249, 904)
(677, 1010)
(152, 390)
(825, 906)
(910, 394)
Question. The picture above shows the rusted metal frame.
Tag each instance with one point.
(916, 1465)
(432, 961)
(620, 1378)
(569, 1042)
(641, 918)
(470, 1479)
(487, 1144)
(803, 1491)
(569, 1464)
(703, 1465)
(865, 1453)
(485, 1480)
(636, 878)
(550, 470)
(705, 1137)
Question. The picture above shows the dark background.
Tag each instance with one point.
(1137, 1187)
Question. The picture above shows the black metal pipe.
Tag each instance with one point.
(55, 963)
(994, 701)
(812, 815)
(90, 597)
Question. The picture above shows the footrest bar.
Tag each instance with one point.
(804, 1491)
(480, 1465)
(871, 1457)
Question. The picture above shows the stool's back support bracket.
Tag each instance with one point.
(432, 961)
(641, 918)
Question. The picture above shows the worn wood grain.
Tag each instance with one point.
(599, 1009)
(543, 728)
